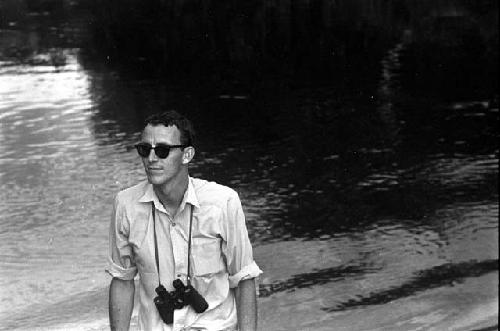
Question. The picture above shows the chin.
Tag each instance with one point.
(156, 180)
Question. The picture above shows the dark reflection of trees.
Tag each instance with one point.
(451, 55)
(438, 276)
(40, 32)
(244, 41)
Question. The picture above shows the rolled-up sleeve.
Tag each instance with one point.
(238, 249)
(121, 262)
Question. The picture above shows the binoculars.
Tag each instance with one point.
(166, 302)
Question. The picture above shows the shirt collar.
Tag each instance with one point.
(189, 197)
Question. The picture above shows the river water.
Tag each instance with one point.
(370, 208)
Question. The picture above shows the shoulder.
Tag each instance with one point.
(131, 195)
(213, 193)
(126, 204)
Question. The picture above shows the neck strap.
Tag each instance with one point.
(188, 280)
(188, 277)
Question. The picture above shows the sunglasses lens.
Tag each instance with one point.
(162, 151)
(143, 149)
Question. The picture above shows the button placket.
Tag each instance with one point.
(179, 248)
(170, 220)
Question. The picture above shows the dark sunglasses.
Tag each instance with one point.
(161, 150)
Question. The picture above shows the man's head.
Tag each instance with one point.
(173, 118)
(166, 147)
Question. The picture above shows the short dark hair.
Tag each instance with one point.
(170, 118)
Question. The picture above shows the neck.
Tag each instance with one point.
(172, 192)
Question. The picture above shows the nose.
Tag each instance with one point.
(152, 155)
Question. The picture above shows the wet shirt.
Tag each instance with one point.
(221, 253)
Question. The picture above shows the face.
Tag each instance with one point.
(162, 171)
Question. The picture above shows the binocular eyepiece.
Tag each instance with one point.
(166, 302)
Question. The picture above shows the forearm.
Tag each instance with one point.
(246, 305)
(121, 303)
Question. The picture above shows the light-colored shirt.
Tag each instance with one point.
(221, 252)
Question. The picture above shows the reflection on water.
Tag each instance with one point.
(379, 201)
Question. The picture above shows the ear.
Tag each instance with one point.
(188, 154)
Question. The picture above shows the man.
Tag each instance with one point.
(152, 219)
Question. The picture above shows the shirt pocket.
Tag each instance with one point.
(207, 256)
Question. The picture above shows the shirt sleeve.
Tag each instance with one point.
(121, 262)
(238, 249)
